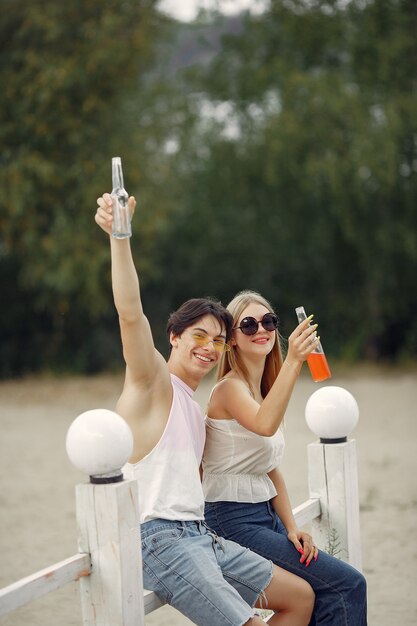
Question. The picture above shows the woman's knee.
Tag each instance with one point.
(307, 597)
(359, 586)
(290, 592)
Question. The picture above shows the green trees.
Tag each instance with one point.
(313, 201)
(283, 160)
(68, 74)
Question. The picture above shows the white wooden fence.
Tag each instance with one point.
(109, 567)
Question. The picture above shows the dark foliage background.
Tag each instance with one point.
(276, 152)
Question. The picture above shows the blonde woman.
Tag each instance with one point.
(245, 492)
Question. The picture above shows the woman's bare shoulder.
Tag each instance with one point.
(229, 384)
(227, 389)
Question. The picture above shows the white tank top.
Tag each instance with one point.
(168, 477)
(236, 462)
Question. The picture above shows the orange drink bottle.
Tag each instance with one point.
(316, 360)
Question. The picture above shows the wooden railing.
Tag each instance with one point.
(80, 565)
(109, 563)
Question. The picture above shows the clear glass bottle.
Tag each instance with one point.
(121, 215)
(316, 360)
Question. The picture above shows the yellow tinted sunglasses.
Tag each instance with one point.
(202, 339)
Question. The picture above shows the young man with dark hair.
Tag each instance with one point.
(212, 581)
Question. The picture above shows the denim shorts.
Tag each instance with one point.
(214, 582)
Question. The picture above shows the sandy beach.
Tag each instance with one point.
(37, 505)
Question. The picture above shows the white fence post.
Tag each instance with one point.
(107, 519)
(333, 479)
(99, 442)
(332, 413)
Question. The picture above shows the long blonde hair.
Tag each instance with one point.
(232, 361)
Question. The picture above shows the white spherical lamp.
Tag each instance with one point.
(99, 443)
(332, 413)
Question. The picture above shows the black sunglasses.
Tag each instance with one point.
(249, 325)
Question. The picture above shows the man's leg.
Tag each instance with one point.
(180, 565)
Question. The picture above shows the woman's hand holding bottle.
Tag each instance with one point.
(302, 341)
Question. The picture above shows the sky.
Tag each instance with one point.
(187, 10)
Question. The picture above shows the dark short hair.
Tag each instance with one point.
(193, 310)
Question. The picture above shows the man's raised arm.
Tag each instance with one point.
(142, 360)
